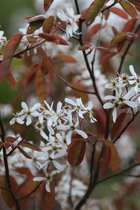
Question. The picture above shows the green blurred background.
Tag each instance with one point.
(12, 14)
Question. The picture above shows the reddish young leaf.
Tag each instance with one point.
(11, 80)
(118, 40)
(106, 57)
(91, 33)
(129, 8)
(28, 185)
(48, 198)
(136, 3)
(101, 122)
(35, 24)
(24, 152)
(121, 121)
(129, 25)
(76, 151)
(85, 46)
(107, 159)
(6, 195)
(24, 170)
(28, 78)
(48, 24)
(9, 51)
(53, 38)
(27, 144)
(119, 12)
(42, 84)
(66, 58)
(115, 160)
(46, 65)
(47, 4)
(93, 11)
(9, 140)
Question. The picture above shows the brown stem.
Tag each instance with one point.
(30, 193)
(126, 126)
(126, 51)
(74, 88)
(9, 185)
(91, 185)
(113, 4)
(117, 173)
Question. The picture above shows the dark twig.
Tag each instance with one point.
(113, 4)
(31, 192)
(74, 88)
(126, 126)
(91, 185)
(117, 173)
(29, 48)
(9, 185)
(126, 51)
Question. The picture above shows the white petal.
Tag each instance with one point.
(109, 97)
(68, 137)
(131, 104)
(69, 101)
(81, 133)
(43, 134)
(24, 105)
(69, 31)
(70, 12)
(108, 105)
(47, 187)
(57, 165)
(35, 107)
(59, 106)
(28, 121)
(39, 179)
(62, 16)
(114, 114)
(20, 121)
(132, 70)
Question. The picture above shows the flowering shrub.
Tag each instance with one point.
(72, 109)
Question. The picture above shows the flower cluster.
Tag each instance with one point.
(70, 19)
(63, 191)
(126, 90)
(56, 128)
(3, 39)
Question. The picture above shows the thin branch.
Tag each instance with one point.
(113, 4)
(126, 51)
(29, 48)
(91, 163)
(31, 192)
(92, 185)
(9, 185)
(126, 126)
(117, 173)
(74, 88)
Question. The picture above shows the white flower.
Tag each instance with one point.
(119, 82)
(71, 128)
(78, 189)
(48, 178)
(51, 115)
(70, 19)
(118, 101)
(28, 113)
(79, 107)
(134, 79)
(3, 39)
(17, 119)
(40, 127)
